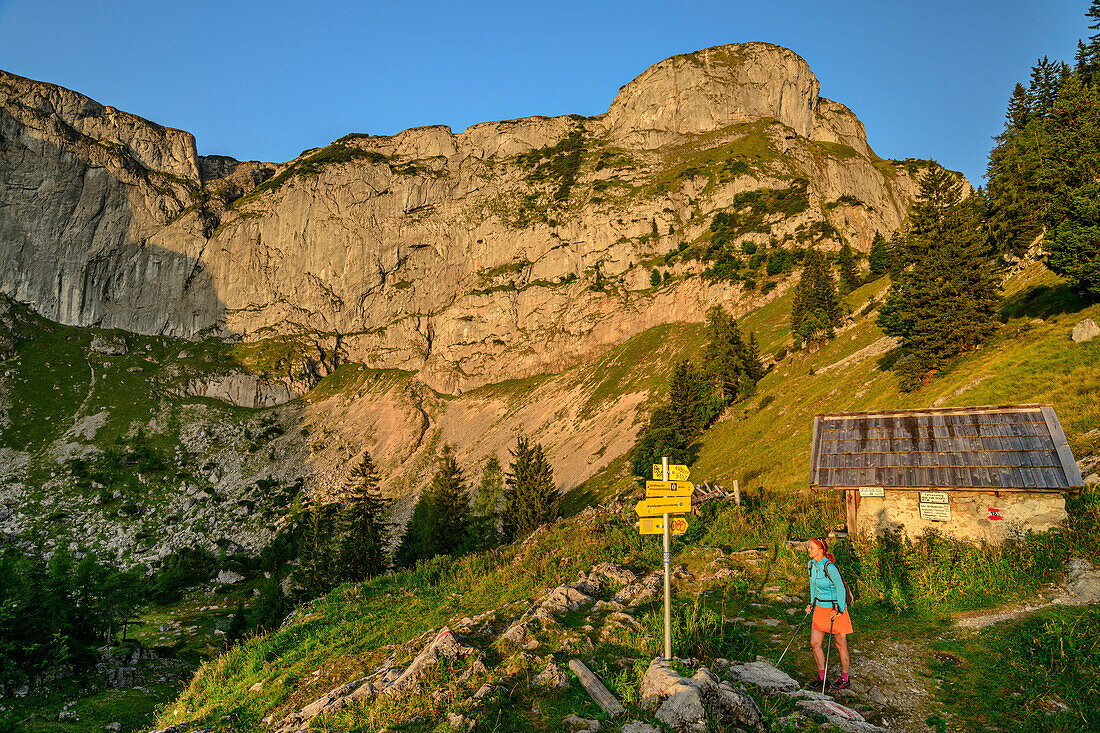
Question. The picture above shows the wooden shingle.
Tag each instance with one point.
(1005, 448)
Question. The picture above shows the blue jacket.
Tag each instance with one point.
(826, 586)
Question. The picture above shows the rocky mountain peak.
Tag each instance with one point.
(716, 87)
(158, 148)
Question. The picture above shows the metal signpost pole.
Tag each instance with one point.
(668, 593)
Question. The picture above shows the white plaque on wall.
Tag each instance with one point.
(933, 497)
(872, 491)
(935, 512)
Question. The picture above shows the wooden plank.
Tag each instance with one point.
(1061, 445)
(814, 450)
(595, 689)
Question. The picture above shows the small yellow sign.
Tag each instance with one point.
(657, 507)
(656, 525)
(668, 489)
(676, 472)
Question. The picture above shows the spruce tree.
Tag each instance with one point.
(440, 523)
(1072, 213)
(362, 543)
(816, 310)
(879, 257)
(530, 497)
(945, 304)
(849, 273)
(487, 506)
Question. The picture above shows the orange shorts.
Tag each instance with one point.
(842, 624)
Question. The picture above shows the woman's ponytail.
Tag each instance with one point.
(824, 548)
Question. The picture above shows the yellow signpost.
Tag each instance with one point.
(657, 507)
(668, 489)
(656, 525)
(676, 472)
(669, 493)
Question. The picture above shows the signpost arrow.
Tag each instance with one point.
(676, 472)
(656, 525)
(657, 507)
(668, 489)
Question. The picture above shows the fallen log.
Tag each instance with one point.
(595, 689)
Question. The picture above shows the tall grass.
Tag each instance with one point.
(935, 573)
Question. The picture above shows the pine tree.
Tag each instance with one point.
(317, 572)
(272, 605)
(1043, 89)
(1072, 213)
(1019, 109)
(440, 524)
(487, 506)
(879, 257)
(530, 498)
(361, 551)
(816, 310)
(945, 304)
(1093, 48)
(849, 273)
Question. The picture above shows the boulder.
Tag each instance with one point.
(551, 678)
(1085, 330)
(109, 346)
(228, 577)
(842, 717)
(684, 703)
(445, 645)
(763, 675)
(577, 724)
(637, 726)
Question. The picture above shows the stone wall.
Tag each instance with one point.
(969, 510)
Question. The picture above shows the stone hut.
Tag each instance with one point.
(973, 473)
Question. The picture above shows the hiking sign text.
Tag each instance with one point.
(676, 472)
(657, 507)
(656, 525)
(668, 489)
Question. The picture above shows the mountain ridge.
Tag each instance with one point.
(510, 249)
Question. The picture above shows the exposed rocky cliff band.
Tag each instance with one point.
(511, 249)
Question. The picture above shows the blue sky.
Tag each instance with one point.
(265, 80)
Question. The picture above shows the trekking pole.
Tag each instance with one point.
(804, 617)
(828, 649)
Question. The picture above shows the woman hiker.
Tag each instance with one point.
(829, 605)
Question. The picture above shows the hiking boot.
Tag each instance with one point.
(839, 684)
(813, 684)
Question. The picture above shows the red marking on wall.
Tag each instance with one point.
(994, 514)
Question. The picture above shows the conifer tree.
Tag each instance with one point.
(440, 523)
(530, 497)
(879, 257)
(487, 506)
(362, 542)
(816, 310)
(849, 273)
(945, 304)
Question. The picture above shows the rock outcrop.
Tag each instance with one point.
(514, 248)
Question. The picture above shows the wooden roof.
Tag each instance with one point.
(1005, 448)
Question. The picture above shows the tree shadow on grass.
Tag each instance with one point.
(1043, 301)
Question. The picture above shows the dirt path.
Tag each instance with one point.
(893, 674)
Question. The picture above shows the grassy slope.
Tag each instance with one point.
(765, 442)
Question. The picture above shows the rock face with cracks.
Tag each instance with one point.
(511, 249)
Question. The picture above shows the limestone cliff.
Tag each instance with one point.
(514, 248)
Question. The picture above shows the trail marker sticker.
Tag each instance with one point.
(676, 472)
(656, 525)
(657, 507)
(994, 514)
